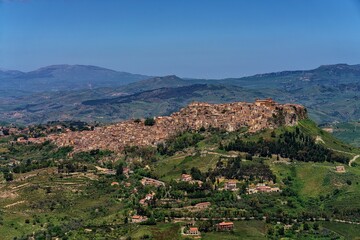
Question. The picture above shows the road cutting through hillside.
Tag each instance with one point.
(353, 160)
(319, 139)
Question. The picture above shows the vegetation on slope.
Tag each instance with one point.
(74, 198)
(348, 132)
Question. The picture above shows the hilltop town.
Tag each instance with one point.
(207, 170)
(262, 114)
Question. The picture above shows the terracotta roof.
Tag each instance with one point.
(185, 175)
(229, 117)
(232, 181)
(226, 223)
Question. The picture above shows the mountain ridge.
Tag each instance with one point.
(331, 67)
(65, 77)
(330, 92)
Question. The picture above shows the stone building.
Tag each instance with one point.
(225, 226)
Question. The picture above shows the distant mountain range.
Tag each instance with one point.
(89, 93)
(65, 77)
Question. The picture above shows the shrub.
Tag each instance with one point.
(149, 122)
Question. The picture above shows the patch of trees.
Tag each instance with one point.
(196, 174)
(42, 151)
(29, 165)
(92, 156)
(147, 154)
(6, 132)
(8, 176)
(54, 231)
(233, 168)
(179, 142)
(188, 187)
(70, 167)
(293, 145)
(149, 122)
(38, 156)
(120, 171)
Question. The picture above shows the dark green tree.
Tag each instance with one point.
(149, 122)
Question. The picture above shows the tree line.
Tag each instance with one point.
(293, 145)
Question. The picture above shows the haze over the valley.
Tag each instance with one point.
(196, 39)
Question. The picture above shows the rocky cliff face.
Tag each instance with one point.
(232, 116)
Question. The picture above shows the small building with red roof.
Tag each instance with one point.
(225, 226)
(193, 231)
(186, 177)
(138, 219)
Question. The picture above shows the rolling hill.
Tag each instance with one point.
(326, 75)
(65, 77)
(330, 92)
(117, 105)
(48, 192)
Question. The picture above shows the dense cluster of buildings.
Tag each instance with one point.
(230, 117)
(5, 131)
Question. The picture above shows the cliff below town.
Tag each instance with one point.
(261, 114)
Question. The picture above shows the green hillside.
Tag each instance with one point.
(48, 193)
(348, 132)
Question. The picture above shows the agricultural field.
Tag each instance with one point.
(346, 230)
(242, 230)
(47, 192)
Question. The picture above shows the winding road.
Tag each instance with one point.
(353, 160)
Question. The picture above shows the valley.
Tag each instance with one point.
(329, 92)
(179, 120)
(265, 181)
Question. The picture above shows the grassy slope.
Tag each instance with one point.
(171, 168)
(79, 199)
(162, 231)
(311, 181)
(346, 230)
(242, 230)
(315, 179)
(348, 132)
(310, 127)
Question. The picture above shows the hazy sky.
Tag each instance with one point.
(189, 38)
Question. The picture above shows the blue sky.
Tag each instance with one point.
(189, 38)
